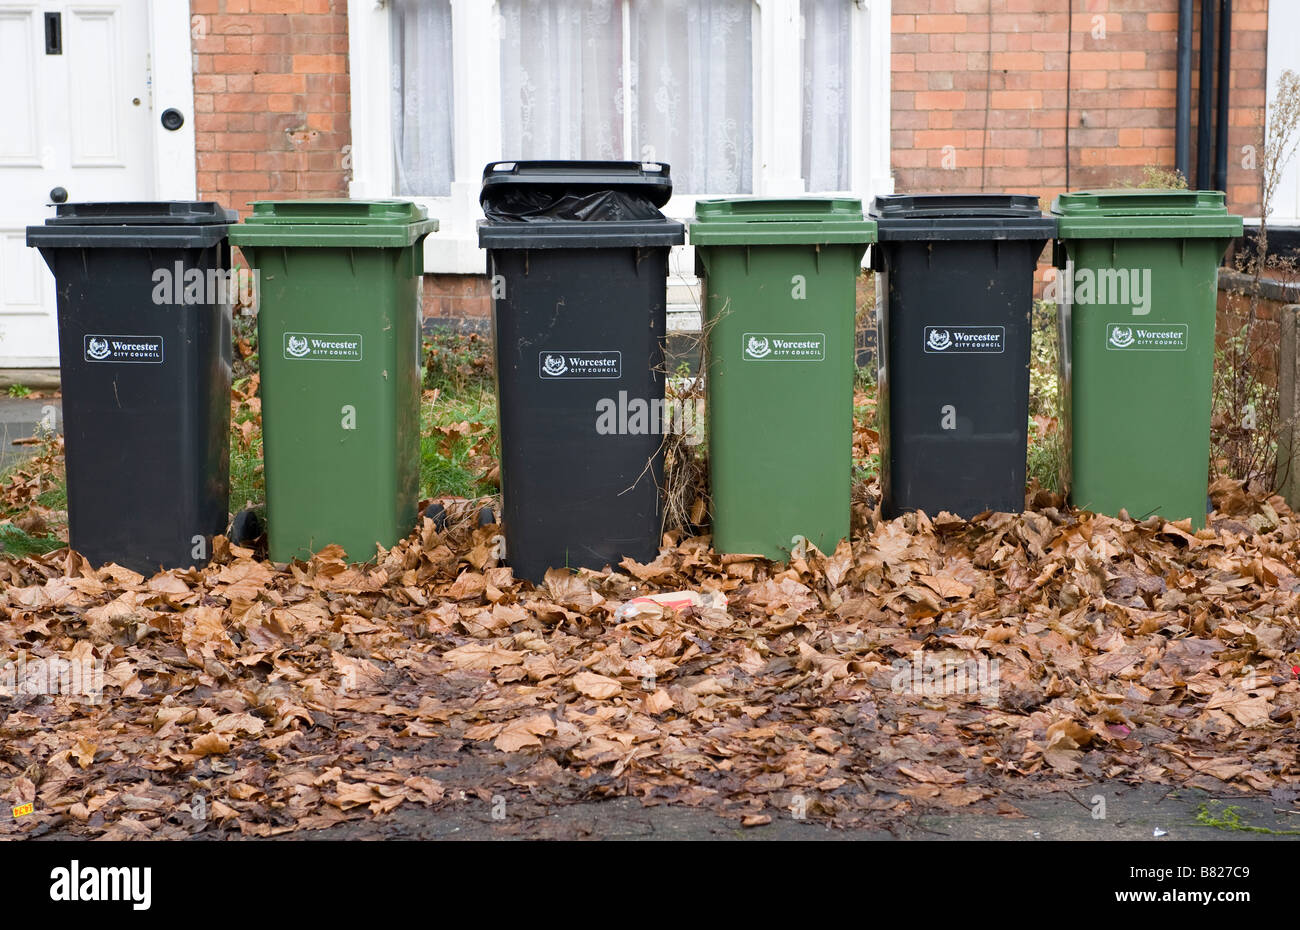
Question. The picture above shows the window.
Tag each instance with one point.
(827, 80)
(770, 97)
(561, 82)
(693, 105)
(423, 114)
(684, 94)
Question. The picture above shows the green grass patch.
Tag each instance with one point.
(459, 443)
(867, 470)
(866, 455)
(19, 544)
(1044, 361)
(1047, 449)
(458, 363)
(33, 502)
(244, 337)
(247, 479)
(1229, 818)
(1046, 460)
(56, 498)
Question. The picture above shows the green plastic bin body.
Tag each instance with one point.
(780, 300)
(1137, 312)
(339, 344)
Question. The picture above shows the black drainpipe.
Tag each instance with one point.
(1205, 113)
(1183, 109)
(1225, 81)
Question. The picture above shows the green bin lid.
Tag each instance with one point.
(333, 223)
(133, 224)
(1135, 213)
(942, 217)
(773, 221)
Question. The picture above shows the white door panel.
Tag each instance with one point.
(20, 38)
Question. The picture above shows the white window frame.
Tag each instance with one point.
(476, 71)
(1283, 54)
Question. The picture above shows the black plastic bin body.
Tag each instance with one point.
(578, 317)
(955, 277)
(144, 356)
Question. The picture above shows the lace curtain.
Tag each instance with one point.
(690, 89)
(827, 79)
(422, 97)
(693, 93)
(561, 79)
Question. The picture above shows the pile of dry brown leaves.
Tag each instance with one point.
(931, 662)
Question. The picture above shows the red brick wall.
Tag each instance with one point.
(271, 105)
(457, 296)
(989, 79)
(986, 78)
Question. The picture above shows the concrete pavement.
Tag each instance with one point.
(19, 417)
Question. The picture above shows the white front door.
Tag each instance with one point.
(77, 114)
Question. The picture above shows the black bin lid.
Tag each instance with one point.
(940, 216)
(142, 213)
(133, 225)
(651, 180)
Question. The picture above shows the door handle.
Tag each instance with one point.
(59, 195)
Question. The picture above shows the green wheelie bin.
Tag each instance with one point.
(780, 301)
(338, 330)
(1137, 298)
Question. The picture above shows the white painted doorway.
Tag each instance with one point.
(81, 110)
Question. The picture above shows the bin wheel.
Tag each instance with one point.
(438, 514)
(245, 528)
(486, 517)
